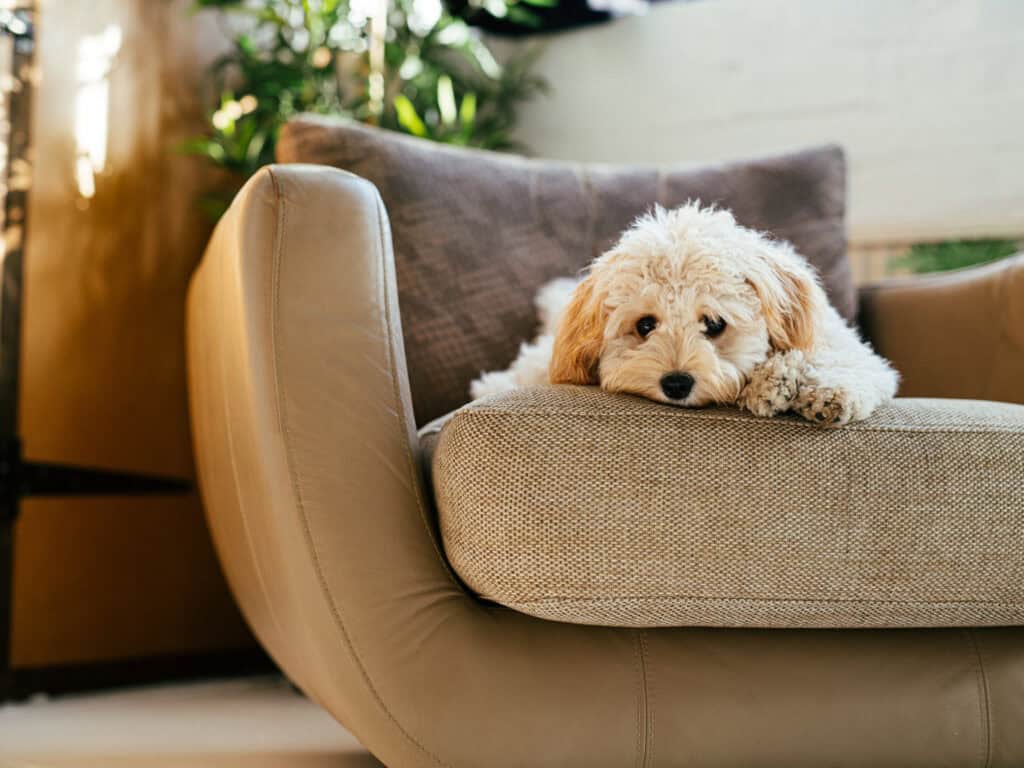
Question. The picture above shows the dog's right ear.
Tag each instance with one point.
(579, 339)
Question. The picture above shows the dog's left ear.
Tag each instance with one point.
(793, 301)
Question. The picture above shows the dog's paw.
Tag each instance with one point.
(773, 385)
(828, 406)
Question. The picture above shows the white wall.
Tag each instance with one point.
(927, 96)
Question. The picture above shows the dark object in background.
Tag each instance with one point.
(565, 14)
(548, 16)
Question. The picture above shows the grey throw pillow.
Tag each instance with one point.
(476, 233)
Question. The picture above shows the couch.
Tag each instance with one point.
(311, 469)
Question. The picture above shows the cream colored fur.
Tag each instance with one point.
(784, 348)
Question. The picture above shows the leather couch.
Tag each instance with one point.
(310, 469)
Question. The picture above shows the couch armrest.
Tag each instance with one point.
(306, 456)
(954, 334)
(309, 469)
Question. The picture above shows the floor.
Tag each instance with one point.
(258, 722)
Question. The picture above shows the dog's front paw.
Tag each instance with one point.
(830, 406)
(773, 386)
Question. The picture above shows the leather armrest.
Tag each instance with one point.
(307, 462)
(309, 469)
(954, 334)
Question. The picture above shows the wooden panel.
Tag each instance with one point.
(103, 373)
(926, 95)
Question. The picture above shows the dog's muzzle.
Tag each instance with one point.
(676, 385)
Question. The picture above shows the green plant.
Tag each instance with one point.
(953, 254)
(406, 65)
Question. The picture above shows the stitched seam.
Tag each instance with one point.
(727, 598)
(275, 269)
(1005, 343)
(641, 706)
(246, 523)
(533, 412)
(984, 702)
(1002, 309)
(988, 701)
(648, 714)
(307, 532)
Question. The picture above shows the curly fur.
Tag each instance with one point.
(784, 347)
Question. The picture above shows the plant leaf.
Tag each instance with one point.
(467, 111)
(407, 117)
(446, 100)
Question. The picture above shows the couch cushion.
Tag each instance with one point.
(574, 505)
(476, 233)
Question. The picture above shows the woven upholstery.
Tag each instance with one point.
(477, 233)
(578, 506)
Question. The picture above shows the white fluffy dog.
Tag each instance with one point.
(690, 308)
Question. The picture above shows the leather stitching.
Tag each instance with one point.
(247, 526)
(991, 366)
(1004, 347)
(233, 458)
(274, 283)
(984, 703)
(989, 715)
(648, 751)
(644, 727)
(639, 716)
(293, 476)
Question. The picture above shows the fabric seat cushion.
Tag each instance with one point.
(477, 233)
(574, 505)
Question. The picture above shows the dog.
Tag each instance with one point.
(692, 309)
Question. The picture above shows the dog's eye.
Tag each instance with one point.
(713, 326)
(645, 325)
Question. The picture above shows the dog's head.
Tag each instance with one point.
(684, 307)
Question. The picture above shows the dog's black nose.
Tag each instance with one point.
(676, 385)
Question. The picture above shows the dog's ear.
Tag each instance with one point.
(793, 301)
(579, 338)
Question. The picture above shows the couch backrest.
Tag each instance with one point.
(476, 233)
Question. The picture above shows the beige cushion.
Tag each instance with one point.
(574, 505)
